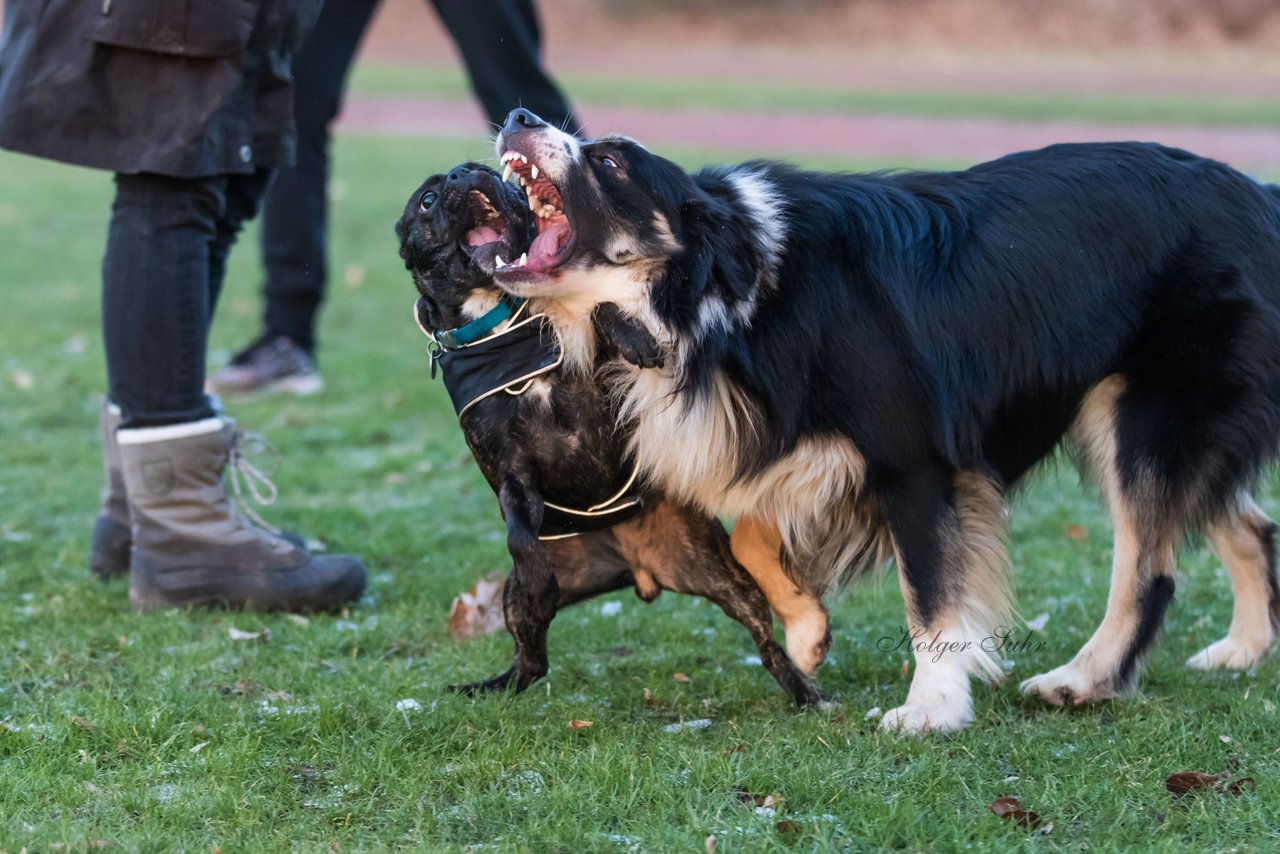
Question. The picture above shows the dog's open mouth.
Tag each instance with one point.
(496, 230)
(554, 243)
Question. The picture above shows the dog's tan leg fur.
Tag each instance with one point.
(757, 545)
(955, 644)
(1243, 543)
(1143, 563)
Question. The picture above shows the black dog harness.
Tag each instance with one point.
(477, 362)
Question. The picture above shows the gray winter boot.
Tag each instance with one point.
(192, 547)
(109, 551)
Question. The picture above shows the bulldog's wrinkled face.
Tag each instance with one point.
(458, 228)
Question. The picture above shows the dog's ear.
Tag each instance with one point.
(719, 260)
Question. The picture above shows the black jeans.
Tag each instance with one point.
(167, 247)
(500, 44)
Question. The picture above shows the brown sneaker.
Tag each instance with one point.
(270, 365)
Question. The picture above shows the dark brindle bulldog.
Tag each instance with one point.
(545, 436)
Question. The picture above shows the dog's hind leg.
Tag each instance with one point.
(531, 593)
(948, 536)
(1147, 531)
(687, 552)
(757, 545)
(1245, 543)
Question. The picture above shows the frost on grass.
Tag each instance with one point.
(408, 705)
(610, 609)
(263, 634)
(700, 723)
(525, 784)
(1039, 622)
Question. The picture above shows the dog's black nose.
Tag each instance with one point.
(458, 173)
(521, 119)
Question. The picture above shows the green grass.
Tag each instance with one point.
(403, 79)
(104, 710)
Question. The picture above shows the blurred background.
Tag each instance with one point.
(834, 81)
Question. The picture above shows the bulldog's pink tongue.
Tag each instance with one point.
(547, 245)
(482, 235)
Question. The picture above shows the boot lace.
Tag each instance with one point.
(250, 481)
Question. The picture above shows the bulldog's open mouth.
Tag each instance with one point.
(495, 230)
(554, 244)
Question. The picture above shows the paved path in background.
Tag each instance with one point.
(884, 138)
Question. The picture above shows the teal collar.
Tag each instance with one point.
(470, 333)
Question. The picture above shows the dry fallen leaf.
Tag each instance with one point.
(680, 677)
(263, 634)
(710, 844)
(581, 724)
(648, 697)
(1077, 533)
(787, 828)
(769, 801)
(243, 687)
(1011, 809)
(1193, 781)
(904, 669)
(82, 722)
(479, 610)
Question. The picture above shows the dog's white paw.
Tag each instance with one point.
(1228, 654)
(808, 640)
(1068, 685)
(917, 720)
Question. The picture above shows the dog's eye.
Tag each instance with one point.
(428, 199)
(609, 161)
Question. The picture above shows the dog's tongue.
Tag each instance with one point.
(547, 245)
(481, 235)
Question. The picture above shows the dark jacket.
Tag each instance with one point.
(186, 88)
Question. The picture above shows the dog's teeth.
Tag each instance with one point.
(506, 171)
(534, 203)
(499, 261)
(524, 258)
(533, 170)
(524, 160)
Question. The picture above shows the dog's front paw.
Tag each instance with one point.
(621, 336)
(1229, 654)
(502, 682)
(917, 720)
(1069, 685)
(809, 640)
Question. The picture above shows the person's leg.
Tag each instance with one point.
(295, 211)
(501, 46)
(155, 296)
(166, 244)
(243, 198)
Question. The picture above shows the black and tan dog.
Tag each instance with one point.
(871, 363)
(546, 439)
